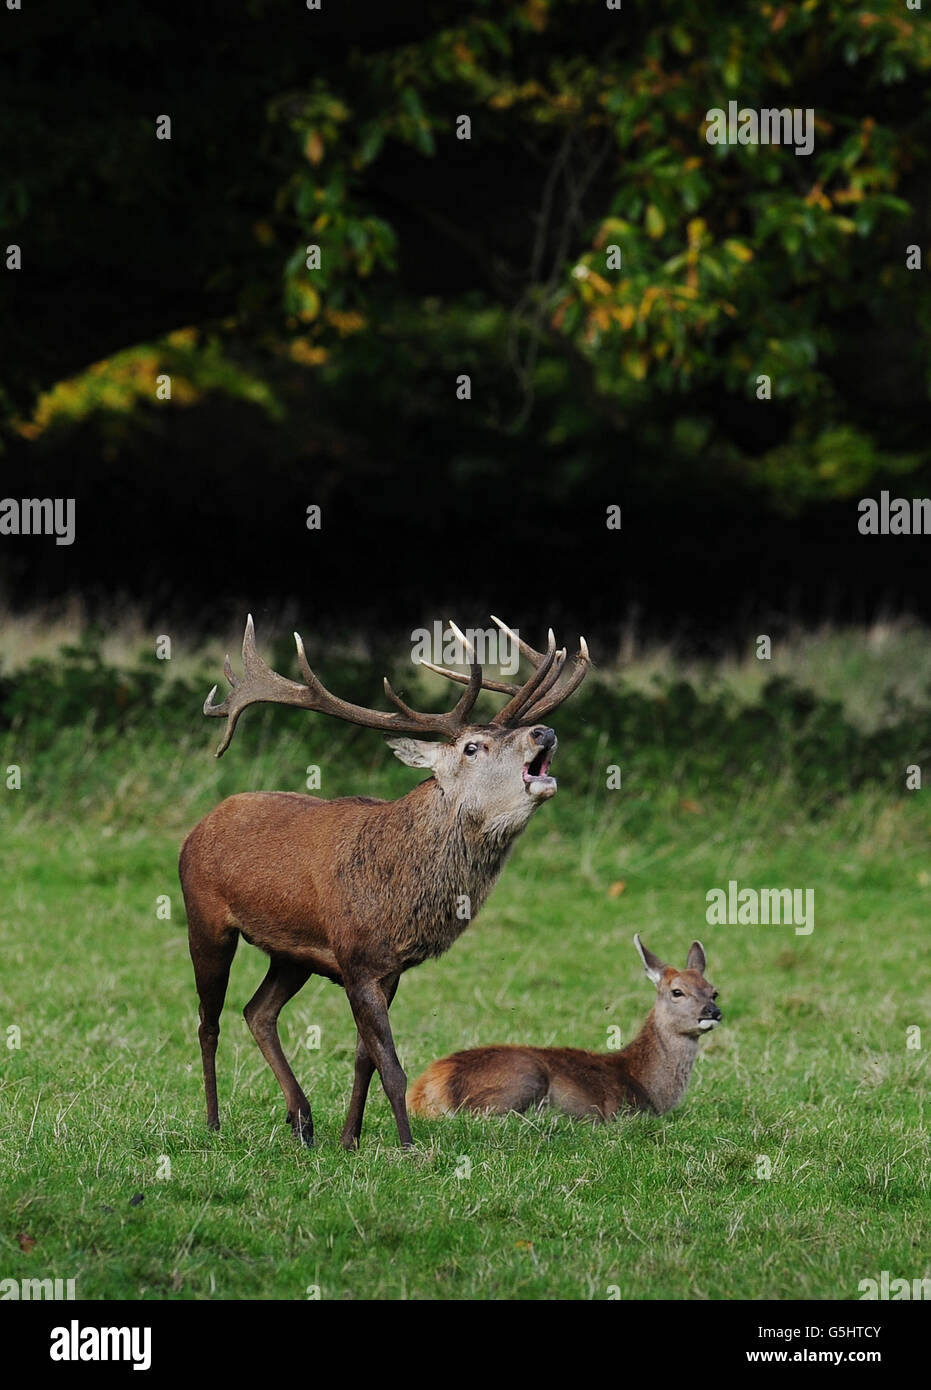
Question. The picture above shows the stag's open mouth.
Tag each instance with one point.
(536, 773)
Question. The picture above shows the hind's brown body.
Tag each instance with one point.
(652, 1073)
(496, 1080)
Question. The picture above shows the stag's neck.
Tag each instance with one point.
(469, 852)
(451, 866)
(659, 1063)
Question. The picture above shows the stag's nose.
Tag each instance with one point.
(711, 1011)
(545, 737)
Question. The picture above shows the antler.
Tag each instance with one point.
(260, 683)
(528, 703)
(532, 700)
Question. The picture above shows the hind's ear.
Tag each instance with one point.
(651, 964)
(696, 960)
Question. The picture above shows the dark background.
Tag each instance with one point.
(198, 507)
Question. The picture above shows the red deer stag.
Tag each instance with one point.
(359, 890)
(651, 1073)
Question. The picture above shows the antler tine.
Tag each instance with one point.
(476, 682)
(529, 652)
(232, 706)
(455, 720)
(310, 680)
(543, 662)
(460, 636)
(500, 687)
(458, 714)
(396, 699)
(556, 671)
(544, 705)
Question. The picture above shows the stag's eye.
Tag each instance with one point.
(470, 750)
(715, 995)
(676, 993)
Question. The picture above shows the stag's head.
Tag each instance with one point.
(497, 773)
(685, 1000)
(496, 777)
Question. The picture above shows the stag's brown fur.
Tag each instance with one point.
(651, 1073)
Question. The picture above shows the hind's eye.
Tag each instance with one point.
(470, 750)
(676, 993)
(715, 995)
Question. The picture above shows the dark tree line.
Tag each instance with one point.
(614, 287)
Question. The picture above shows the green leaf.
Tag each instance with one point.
(655, 222)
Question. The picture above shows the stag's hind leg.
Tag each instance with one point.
(212, 960)
(285, 977)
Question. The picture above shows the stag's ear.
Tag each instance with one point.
(651, 964)
(696, 960)
(414, 751)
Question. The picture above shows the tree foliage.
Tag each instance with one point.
(603, 273)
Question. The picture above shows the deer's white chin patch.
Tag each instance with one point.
(540, 787)
(708, 1023)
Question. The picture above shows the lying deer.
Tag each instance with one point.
(651, 1073)
(359, 890)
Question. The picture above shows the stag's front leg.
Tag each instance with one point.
(352, 1129)
(369, 1000)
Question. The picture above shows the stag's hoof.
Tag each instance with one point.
(302, 1127)
(350, 1142)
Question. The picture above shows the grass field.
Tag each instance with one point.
(102, 1100)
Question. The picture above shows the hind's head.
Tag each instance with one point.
(685, 1000)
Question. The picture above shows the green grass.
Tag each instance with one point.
(103, 1098)
(810, 1069)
